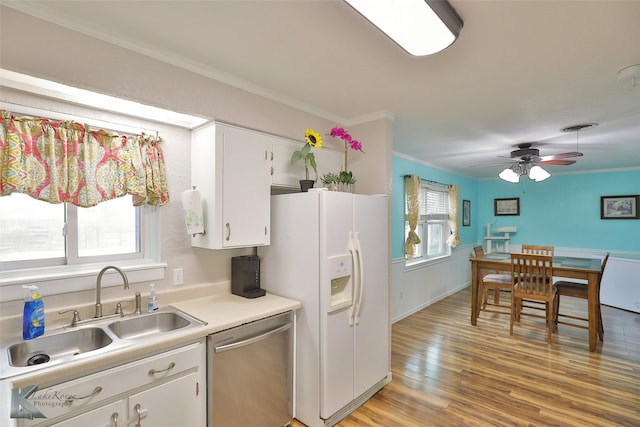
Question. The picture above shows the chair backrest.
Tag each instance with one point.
(478, 251)
(533, 274)
(537, 249)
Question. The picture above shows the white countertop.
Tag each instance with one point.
(219, 311)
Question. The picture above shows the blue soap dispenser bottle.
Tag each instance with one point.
(33, 314)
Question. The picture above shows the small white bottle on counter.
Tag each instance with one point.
(153, 301)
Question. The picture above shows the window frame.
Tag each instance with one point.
(422, 229)
(71, 278)
(61, 279)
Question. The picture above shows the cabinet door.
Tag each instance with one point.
(245, 188)
(180, 402)
(112, 415)
(284, 173)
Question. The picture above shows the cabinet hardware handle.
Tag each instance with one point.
(228, 232)
(265, 230)
(114, 419)
(152, 372)
(95, 392)
(139, 414)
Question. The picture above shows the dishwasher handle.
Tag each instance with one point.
(249, 341)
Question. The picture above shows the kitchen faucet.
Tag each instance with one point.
(98, 282)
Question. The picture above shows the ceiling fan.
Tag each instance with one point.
(526, 160)
(527, 154)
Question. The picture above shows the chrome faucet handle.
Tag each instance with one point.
(119, 307)
(76, 316)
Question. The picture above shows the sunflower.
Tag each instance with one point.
(313, 138)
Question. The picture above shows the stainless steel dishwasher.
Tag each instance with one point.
(250, 374)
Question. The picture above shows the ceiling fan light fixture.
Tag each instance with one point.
(420, 27)
(538, 174)
(509, 175)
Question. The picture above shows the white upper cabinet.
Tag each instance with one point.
(232, 169)
(284, 173)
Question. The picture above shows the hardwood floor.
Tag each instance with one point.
(449, 373)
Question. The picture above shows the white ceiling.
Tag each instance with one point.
(519, 72)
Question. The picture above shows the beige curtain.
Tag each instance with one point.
(67, 162)
(412, 197)
(454, 218)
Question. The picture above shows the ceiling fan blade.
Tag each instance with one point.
(556, 162)
(562, 156)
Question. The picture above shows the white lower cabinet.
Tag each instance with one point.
(164, 390)
(170, 405)
(112, 415)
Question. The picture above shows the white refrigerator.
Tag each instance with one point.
(329, 250)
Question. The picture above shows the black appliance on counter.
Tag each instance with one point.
(245, 276)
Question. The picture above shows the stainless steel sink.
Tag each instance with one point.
(149, 324)
(52, 347)
(92, 338)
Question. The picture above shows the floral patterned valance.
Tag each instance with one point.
(67, 162)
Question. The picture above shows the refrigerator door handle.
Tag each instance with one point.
(355, 278)
(360, 270)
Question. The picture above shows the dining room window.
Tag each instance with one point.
(433, 225)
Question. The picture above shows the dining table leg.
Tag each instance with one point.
(474, 293)
(593, 301)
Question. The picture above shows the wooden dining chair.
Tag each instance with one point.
(497, 281)
(532, 280)
(578, 290)
(538, 250)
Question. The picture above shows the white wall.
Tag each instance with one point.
(414, 289)
(88, 63)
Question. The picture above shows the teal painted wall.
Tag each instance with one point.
(563, 211)
(402, 166)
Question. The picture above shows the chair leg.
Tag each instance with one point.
(550, 318)
(556, 310)
(514, 306)
(600, 326)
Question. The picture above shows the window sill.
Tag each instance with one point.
(411, 265)
(73, 278)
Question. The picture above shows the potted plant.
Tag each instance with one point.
(330, 180)
(312, 139)
(346, 182)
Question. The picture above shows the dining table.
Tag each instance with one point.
(588, 269)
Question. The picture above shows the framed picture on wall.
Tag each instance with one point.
(466, 213)
(506, 206)
(619, 207)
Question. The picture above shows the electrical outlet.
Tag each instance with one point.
(178, 276)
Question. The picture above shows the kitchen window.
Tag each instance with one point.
(433, 225)
(39, 234)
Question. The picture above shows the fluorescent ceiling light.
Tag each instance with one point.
(421, 27)
(96, 100)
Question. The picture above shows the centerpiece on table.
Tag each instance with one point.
(312, 140)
